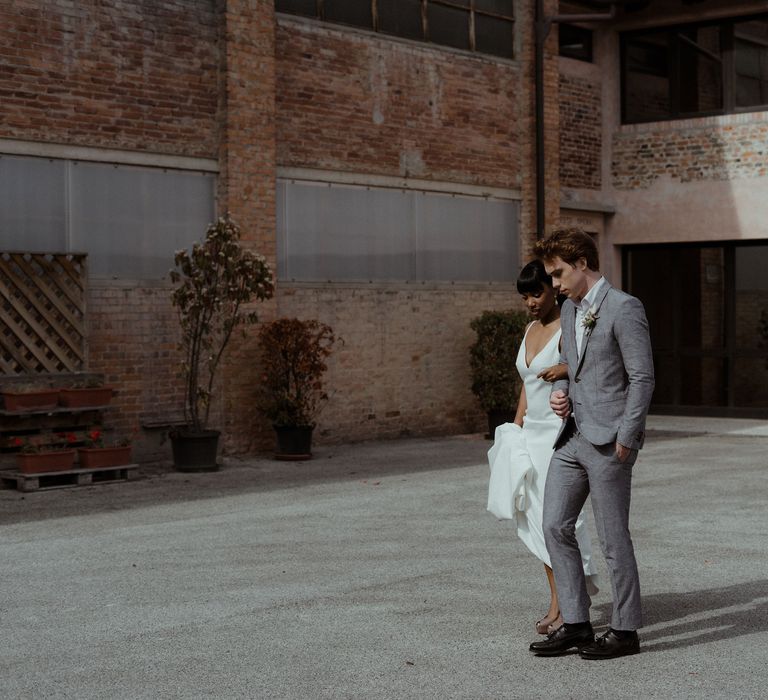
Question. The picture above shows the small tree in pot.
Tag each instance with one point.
(495, 380)
(293, 355)
(216, 280)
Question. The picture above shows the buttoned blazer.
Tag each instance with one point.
(611, 384)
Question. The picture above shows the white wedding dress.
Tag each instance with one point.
(519, 461)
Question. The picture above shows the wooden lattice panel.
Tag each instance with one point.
(42, 304)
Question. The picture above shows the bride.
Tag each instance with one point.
(519, 458)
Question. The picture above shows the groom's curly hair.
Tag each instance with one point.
(569, 244)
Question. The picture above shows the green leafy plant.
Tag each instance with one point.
(90, 383)
(495, 380)
(293, 355)
(217, 279)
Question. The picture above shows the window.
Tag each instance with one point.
(130, 220)
(400, 18)
(484, 26)
(751, 63)
(695, 70)
(575, 42)
(707, 308)
(355, 12)
(329, 232)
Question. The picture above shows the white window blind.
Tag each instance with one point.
(129, 219)
(329, 232)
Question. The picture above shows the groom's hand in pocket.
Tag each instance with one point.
(622, 452)
(560, 404)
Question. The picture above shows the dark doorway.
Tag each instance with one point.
(707, 307)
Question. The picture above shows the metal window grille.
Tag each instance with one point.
(484, 26)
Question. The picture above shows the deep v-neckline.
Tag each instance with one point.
(543, 347)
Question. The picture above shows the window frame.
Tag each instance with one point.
(467, 6)
(727, 73)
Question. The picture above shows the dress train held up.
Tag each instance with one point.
(519, 461)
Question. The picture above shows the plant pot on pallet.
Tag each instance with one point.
(41, 462)
(294, 442)
(42, 400)
(86, 397)
(95, 457)
(195, 451)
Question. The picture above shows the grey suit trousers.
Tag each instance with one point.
(578, 469)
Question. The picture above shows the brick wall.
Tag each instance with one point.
(725, 148)
(357, 102)
(247, 191)
(194, 78)
(200, 79)
(403, 368)
(133, 336)
(580, 132)
(118, 74)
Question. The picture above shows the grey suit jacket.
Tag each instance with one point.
(611, 384)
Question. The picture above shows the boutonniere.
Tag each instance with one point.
(590, 318)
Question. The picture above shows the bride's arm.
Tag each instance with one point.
(553, 373)
(522, 406)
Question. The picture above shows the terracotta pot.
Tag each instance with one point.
(40, 462)
(95, 457)
(42, 400)
(87, 397)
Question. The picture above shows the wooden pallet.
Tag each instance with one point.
(67, 479)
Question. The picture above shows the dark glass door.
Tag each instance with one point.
(707, 308)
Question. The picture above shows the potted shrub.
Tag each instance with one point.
(100, 453)
(216, 280)
(293, 355)
(35, 456)
(495, 380)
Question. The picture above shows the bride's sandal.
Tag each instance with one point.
(556, 625)
(543, 626)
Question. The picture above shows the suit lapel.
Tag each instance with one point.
(588, 331)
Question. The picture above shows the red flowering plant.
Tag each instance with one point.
(216, 280)
(95, 438)
(293, 355)
(37, 444)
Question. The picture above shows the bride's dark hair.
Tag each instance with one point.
(532, 279)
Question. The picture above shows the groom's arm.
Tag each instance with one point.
(558, 398)
(631, 333)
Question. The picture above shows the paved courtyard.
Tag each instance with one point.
(374, 571)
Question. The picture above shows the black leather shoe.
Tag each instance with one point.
(609, 646)
(563, 639)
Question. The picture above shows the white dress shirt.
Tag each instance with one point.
(581, 309)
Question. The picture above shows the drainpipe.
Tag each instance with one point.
(542, 26)
(542, 29)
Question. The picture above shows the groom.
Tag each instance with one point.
(603, 403)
